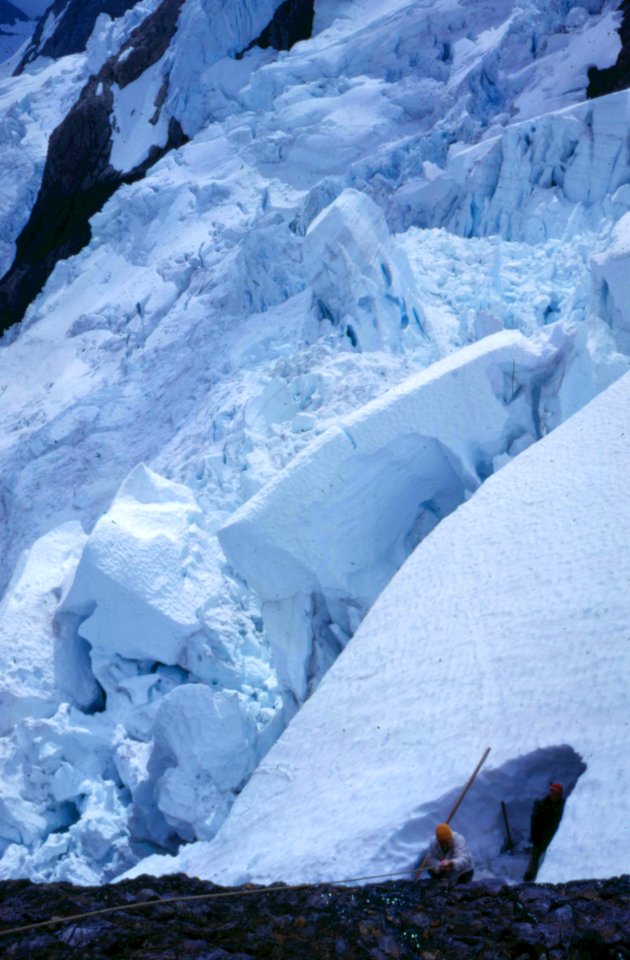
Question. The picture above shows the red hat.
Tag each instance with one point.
(556, 788)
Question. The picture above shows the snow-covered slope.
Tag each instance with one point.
(508, 627)
(386, 261)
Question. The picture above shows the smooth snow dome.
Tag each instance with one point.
(507, 627)
(389, 264)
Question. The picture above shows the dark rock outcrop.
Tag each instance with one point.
(10, 14)
(78, 176)
(292, 21)
(586, 920)
(15, 29)
(75, 21)
(617, 77)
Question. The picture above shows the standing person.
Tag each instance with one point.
(448, 857)
(546, 815)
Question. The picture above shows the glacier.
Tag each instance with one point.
(280, 373)
(466, 646)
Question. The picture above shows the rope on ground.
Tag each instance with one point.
(73, 918)
(53, 921)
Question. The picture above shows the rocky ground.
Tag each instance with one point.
(585, 919)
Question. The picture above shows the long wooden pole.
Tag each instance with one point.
(469, 784)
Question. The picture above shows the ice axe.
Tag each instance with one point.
(469, 784)
(510, 842)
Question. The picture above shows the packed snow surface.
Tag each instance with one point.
(389, 262)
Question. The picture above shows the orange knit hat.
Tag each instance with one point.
(443, 833)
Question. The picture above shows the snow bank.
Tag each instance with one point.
(320, 542)
(507, 627)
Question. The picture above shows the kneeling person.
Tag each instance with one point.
(448, 856)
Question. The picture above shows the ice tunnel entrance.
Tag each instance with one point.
(480, 817)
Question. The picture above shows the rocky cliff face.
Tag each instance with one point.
(10, 14)
(78, 176)
(292, 21)
(66, 27)
(577, 921)
(15, 27)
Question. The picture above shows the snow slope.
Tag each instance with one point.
(374, 275)
(506, 627)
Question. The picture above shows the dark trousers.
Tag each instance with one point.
(534, 863)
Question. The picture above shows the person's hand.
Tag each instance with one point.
(445, 865)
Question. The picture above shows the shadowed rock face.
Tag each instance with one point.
(78, 177)
(10, 14)
(617, 77)
(292, 21)
(585, 920)
(75, 22)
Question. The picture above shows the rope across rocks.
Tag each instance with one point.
(164, 901)
(224, 894)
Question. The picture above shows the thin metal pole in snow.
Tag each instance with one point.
(469, 784)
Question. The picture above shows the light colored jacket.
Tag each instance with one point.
(458, 852)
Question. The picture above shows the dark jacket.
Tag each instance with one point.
(546, 816)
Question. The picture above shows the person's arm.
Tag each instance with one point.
(433, 857)
(462, 858)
